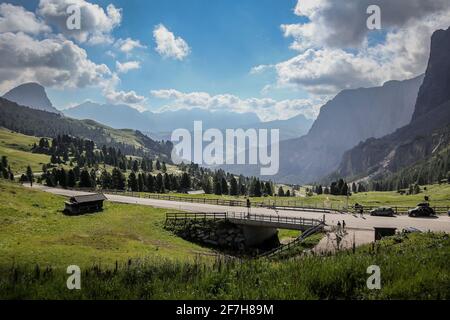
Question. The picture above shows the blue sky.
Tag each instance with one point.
(277, 58)
(227, 38)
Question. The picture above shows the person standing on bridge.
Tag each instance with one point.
(343, 224)
(248, 208)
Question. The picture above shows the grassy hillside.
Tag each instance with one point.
(17, 147)
(33, 230)
(40, 123)
(412, 267)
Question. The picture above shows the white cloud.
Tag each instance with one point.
(267, 109)
(115, 96)
(335, 50)
(127, 66)
(128, 45)
(96, 22)
(55, 62)
(17, 19)
(334, 24)
(261, 69)
(169, 46)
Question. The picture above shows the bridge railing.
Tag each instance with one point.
(273, 218)
(243, 216)
(195, 215)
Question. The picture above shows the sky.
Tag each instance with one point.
(277, 58)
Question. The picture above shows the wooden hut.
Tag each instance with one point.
(85, 204)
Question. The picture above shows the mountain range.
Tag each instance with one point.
(159, 125)
(349, 118)
(31, 121)
(426, 134)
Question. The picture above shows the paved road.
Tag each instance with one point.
(441, 223)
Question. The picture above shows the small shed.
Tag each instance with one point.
(85, 204)
(380, 233)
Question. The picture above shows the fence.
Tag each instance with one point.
(280, 204)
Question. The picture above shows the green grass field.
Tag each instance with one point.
(411, 267)
(17, 147)
(33, 230)
(38, 242)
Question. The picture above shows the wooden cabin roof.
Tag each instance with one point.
(88, 198)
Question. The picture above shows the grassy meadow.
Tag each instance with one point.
(125, 253)
(33, 230)
(17, 147)
(412, 267)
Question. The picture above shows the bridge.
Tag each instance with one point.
(246, 219)
(256, 228)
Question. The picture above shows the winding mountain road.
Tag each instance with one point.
(352, 221)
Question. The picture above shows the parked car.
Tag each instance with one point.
(422, 210)
(382, 212)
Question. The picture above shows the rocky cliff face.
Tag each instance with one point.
(436, 86)
(351, 117)
(31, 95)
(425, 133)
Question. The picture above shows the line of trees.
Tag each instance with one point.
(67, 149)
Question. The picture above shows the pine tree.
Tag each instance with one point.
(140, 182)
(85, 179)
(132, 182)
(185, 182)
(150, 183)
(106, 180)
(167, 183)
(257, 190)
(160, 183)
(118, 179)
(224, 186)
(217, 188)
(62, 178)
(234, 191)
(71, 181)
(30, 175)
(280, 192)
(135, 166)
(207, 185)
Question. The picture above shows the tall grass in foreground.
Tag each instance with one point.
(415, 266)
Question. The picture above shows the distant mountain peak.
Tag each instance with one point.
(32, 95)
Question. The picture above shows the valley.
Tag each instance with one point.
(348, 165)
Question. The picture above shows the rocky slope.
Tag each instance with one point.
(351, 117)
(423, 136)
